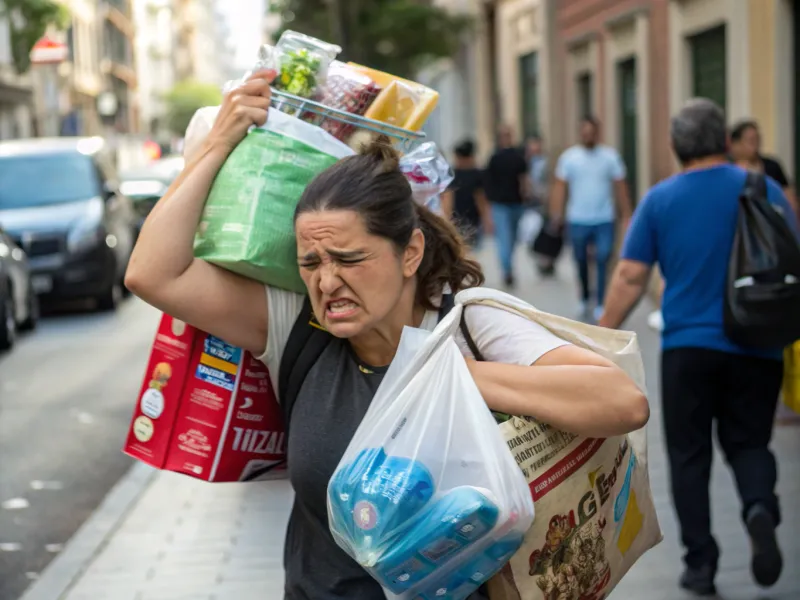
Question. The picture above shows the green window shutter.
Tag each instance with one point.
(529, 85)
(709, 64)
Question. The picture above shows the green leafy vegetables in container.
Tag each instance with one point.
(299, 73)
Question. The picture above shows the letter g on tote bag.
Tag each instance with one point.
(594, 508)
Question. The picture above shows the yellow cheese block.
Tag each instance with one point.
(401, 102)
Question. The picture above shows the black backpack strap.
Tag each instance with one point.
(755, 186)
(448, 303)
(306, 343)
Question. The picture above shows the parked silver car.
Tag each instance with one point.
(19, 306)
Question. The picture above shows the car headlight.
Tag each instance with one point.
(87, 232)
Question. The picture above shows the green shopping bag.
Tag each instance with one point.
(247, 224)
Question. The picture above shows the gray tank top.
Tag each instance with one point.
(329, 408)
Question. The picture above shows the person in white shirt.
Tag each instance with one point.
(588, 177)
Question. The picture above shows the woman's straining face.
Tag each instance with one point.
(354, 279)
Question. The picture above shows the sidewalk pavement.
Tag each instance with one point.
(162, 536)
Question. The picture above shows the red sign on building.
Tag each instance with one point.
(48, 52)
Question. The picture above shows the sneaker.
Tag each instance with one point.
(767, 562)
(700, 581)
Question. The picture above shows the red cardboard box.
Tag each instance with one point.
(206, 409)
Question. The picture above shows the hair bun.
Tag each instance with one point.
(381, 149)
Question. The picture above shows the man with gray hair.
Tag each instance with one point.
(686, 224)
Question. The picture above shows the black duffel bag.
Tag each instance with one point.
(549, 241)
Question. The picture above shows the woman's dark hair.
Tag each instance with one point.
(739, 129)
(371, 184)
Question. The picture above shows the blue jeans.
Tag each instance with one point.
(601, 236)
(506, 219)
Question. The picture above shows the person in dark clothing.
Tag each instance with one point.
(507, 185)
(464, 203)
(687, 224)
(746, 152)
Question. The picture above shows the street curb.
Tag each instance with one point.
(88, 541)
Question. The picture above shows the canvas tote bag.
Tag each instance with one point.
(595, 515)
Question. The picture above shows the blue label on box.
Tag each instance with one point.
(216, 377)
(222, 350)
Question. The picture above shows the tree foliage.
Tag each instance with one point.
(28, 21)
(396, 36)
(185, 99)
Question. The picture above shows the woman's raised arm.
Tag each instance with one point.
(163, 270)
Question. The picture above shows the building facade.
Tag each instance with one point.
(118, 62)
(155, 65)
(203, 48)
(16, 93)
(99, 62)
(615, 57)
(743, 54)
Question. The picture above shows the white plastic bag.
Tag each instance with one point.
(427, 497)
(529, 226)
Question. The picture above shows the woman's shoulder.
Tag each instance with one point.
(503, 334)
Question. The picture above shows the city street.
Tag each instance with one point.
(186, 539)
(66, 396)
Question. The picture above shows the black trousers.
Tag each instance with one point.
(740, 393)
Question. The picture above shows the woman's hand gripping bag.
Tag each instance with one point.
(595, 515)
(427, 497)
(247, 225)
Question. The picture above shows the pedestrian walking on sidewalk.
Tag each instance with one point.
(686, 224)
(589, 177)
(507, 186)
(374, 262)
(538, 172)
(746, 152)
(464, 203)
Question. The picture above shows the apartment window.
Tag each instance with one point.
(709, 65)
(116, 45)
(585, 104)
(529, 84)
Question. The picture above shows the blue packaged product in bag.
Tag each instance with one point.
(375, 496)
(427, 497)
(447, 527)
(457, 585)
(344, 482)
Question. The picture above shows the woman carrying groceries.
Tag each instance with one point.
(373, 262)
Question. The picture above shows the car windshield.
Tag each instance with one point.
(39, 180)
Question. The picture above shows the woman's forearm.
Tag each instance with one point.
(164, 250)
(592, 401)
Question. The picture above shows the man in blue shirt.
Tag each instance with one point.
(686, 224)
(592, 175)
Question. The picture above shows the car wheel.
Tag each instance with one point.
(32, 316)
(110, 299)
(8, 325)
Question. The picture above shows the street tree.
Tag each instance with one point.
(28, 21)
(185, 99)
(396, 36)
